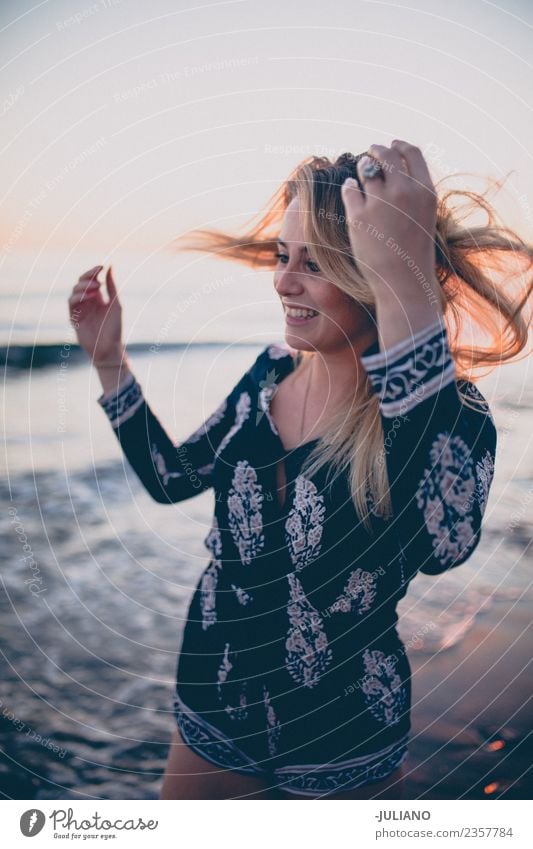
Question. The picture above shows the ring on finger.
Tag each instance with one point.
(371, 168)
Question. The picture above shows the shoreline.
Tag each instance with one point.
(22, 357)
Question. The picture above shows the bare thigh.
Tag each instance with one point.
(188, 776)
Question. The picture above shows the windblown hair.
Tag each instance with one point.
(475, 303)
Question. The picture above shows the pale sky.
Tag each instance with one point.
(125, 123)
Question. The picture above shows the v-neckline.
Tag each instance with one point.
(265, 398)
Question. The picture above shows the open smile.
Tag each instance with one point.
(299, 315)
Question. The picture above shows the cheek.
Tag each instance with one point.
(338, 305)
(329, 299)
(343, 310)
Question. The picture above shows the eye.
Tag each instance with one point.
(283, 258)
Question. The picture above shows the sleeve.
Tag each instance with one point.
(170, 471)
(439, 451)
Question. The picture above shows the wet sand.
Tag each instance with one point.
(471, 718)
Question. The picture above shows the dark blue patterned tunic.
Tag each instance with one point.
(291, 666)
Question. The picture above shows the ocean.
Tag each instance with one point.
(88, 657)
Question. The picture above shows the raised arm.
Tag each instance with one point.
(439, 452)
(169, 471)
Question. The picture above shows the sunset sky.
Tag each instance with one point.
(125, 124)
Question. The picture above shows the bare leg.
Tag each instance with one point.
(188, 776)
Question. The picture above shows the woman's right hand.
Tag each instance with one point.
(98, 323)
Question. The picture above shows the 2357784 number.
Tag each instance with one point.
(489, 831)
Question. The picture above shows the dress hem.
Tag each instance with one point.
(299, 779)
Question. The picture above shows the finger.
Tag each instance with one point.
(81, 296)
(353, 199)
(111, 287)
(415, 162)
(88, 275)
(392, 167)
(370, 186)
(84, 285)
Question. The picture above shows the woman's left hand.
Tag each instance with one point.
(392, 223)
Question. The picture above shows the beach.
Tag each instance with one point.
(97, 578)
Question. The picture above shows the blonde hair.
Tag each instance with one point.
(466, 258)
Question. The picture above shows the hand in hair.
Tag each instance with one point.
(392, 222)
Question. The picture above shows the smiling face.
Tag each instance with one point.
(318, 315)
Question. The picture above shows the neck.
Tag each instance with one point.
(337, 371)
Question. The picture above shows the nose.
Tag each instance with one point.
(288, 282)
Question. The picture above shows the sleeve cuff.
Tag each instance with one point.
(411, 371)
(121, 403)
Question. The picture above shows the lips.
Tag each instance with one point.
(299, 315)
(300, 312)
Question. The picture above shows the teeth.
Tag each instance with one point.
(300, 313)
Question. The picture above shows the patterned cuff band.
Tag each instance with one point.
(411, 371)
(120, 404)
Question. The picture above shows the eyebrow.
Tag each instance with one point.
(281, 242)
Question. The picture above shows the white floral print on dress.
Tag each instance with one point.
(308, 651)
(244, 512)
(213, 419)
(242, 411)
(277, 352)
(303, 528)
(382, 687)
(471, 391)
(242, 596)
(484, 475)
(359, 593)
(210, 577)
(241, 711)
(273, 724)
(446, 494)
(159, 462)
(223, 669)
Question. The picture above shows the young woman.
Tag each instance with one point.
(343, 463)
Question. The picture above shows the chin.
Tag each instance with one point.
(298, 341)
